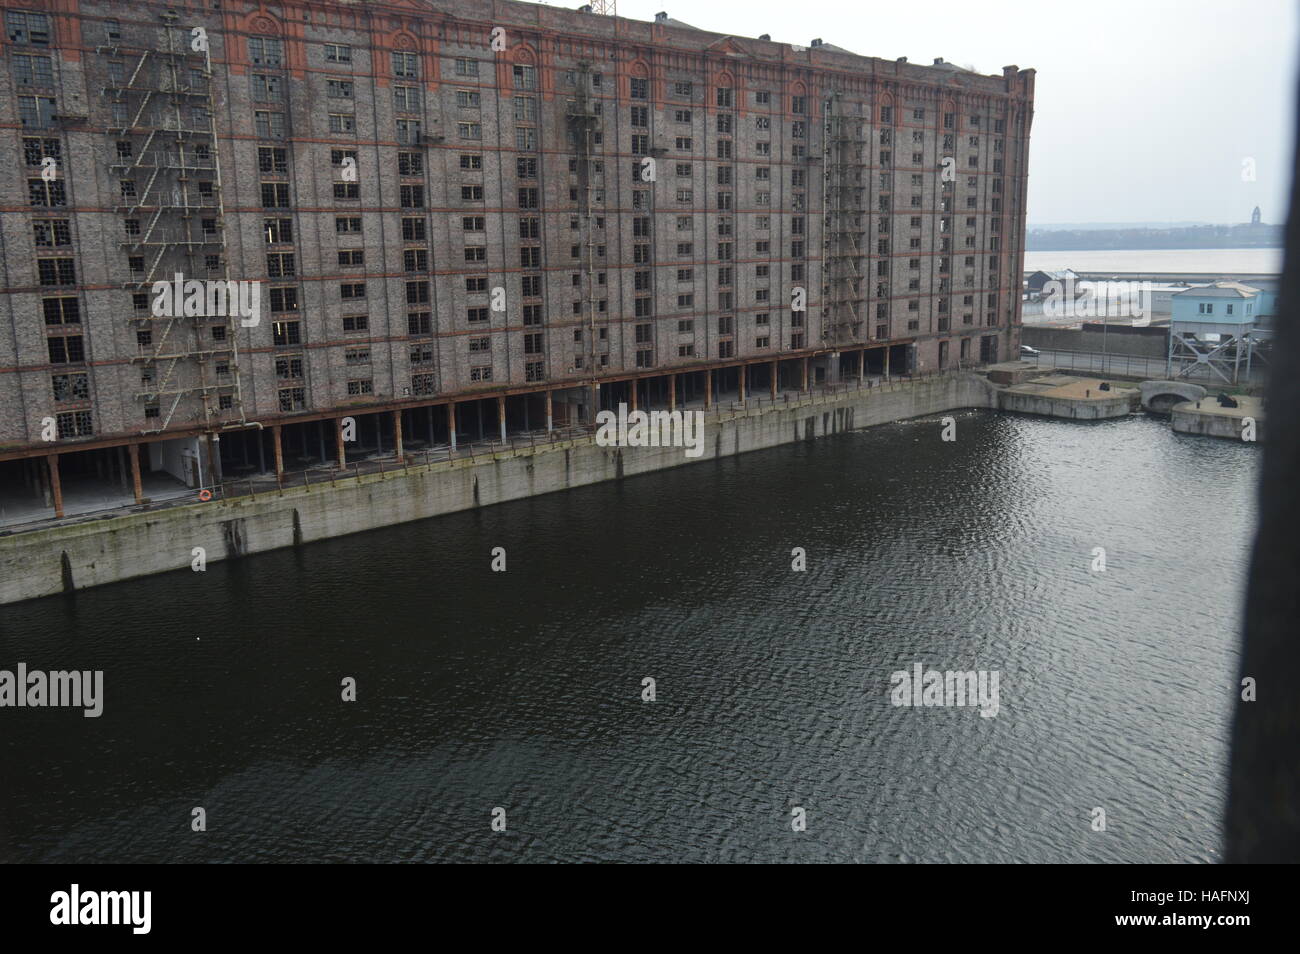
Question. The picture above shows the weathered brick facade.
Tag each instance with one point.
(604, 273)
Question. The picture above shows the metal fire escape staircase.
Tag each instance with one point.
(583, 122)
(843, 232)
(171, 135)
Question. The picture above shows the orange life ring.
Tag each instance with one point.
(205, 495)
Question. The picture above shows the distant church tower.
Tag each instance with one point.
(1254, 216)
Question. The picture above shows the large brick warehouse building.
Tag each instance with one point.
(461, 219)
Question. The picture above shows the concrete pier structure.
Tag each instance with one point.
(1073, 398)
(1208, 418)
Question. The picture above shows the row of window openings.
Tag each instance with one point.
(1207, 308)
(290, 368)
(526, 138)
(295, 398)
(37, 150)
(33, 29)
(268, 51)
(70, 349)
(274, 160)
(276, 195)
(416, 260)
(272, 125)
(57, 232)
(282, 265)
(286, 332)
(62, 271)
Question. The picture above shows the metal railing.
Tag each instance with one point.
(1129, 365)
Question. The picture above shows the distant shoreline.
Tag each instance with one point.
(1032, 246)
(1256, 235)
(1209, 261)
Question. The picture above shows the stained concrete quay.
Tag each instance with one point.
(1073, 397)
(1207, 418)
(71, 555)
(93, 550)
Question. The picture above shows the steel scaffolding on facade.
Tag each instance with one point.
(843, 230)
(167, 164)
(584, 121)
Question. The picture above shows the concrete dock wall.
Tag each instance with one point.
(1186, 419)
(1078, 409)
(51, 560)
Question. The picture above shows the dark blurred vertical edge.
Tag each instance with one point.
(1263, 822)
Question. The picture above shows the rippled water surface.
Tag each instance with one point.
(522, 689)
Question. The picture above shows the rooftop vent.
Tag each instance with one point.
(816, 43)
(661, 17)
(902, 59)
(766, 36)
(938, 61)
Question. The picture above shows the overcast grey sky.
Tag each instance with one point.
(1144, 109)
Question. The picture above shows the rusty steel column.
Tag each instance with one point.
(672, 393)
(805, 375)
(451, 424)
(708, 388)
(133, 451)
(548, 412)
(862, 366)
(213, 462)
(56, 486)
(633, 384)
(338, 444)
(397, 434)
(776, 372)
(501, 416)
(741, 386)
(279, 451)
(886, 362)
